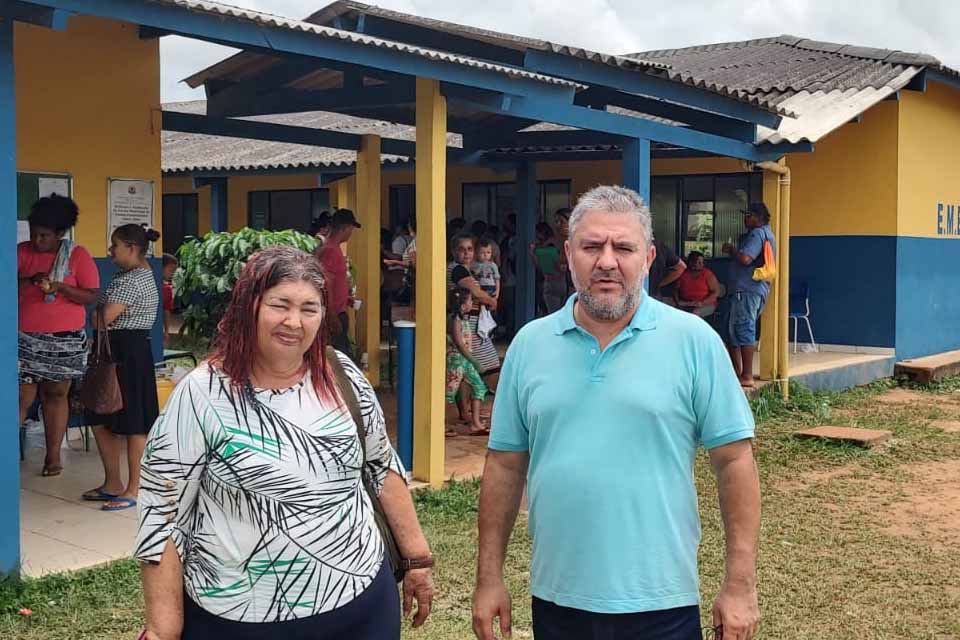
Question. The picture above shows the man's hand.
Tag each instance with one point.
(489, 602)
(418, 585)
(737, 611)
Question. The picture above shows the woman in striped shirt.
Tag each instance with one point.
(130, 306)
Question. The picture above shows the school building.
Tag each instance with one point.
(395, 115)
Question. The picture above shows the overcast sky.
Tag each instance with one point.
(622, 26)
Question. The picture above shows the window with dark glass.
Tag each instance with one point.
(403, 204)
(286, 209)
(492, 201)
(180, 220)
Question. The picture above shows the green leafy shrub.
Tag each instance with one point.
(209, 269)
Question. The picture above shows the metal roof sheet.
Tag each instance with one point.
(824, 84)
(258, 17)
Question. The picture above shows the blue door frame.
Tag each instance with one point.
(9, 387)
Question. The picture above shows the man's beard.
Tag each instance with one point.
(602, 310)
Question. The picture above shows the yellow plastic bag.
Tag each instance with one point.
(768, 272)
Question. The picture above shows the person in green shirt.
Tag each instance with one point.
(551, 266)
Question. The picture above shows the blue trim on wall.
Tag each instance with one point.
(928, 304)
(853, 292)
(9, 387)
(847, 377)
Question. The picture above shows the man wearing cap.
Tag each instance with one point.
(334, 265)
(747, 296)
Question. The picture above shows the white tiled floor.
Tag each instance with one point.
(58, 530)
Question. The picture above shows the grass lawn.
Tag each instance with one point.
(855, 544)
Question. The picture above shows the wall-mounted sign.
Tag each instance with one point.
(129, 202)
(948, 219)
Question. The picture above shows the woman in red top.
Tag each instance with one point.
(56, 278)
(697, 289)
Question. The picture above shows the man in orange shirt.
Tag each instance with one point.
(334, 265)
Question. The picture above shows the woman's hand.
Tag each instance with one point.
(418, 585)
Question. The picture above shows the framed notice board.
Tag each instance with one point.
(33, 186)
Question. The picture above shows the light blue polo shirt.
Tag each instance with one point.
(612, 437)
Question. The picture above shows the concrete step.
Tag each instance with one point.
(930, 368)
(860, 437)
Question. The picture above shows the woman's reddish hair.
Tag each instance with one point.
(234, 348)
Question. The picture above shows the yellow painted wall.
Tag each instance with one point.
(88, 102)
(180, 185)
(848, 185)
(929, 146)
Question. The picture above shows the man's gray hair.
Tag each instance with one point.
(613, 199)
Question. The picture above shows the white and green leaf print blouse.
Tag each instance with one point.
(261, 494)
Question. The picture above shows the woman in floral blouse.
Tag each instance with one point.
(254, 522)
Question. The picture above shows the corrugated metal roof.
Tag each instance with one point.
(259, 17)
(497, 38)
(820, 112)
(824, 84)
(237, 66)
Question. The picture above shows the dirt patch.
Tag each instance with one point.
(950, 426)
(929, 506)
(926, 507)
(813, 478)
(904, 396)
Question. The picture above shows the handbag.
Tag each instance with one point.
(767, 272)
(379, 516)
(100, 389)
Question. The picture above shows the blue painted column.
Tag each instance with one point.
(406, 358)
(9, 388)
(636, 166)
(526, 233)
(219, 220)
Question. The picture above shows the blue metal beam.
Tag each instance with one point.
(512, 139)
(643, 83)
(552, 156)
(236, 98)
(918, 82)
(246, 34)
(297, 101)
(621, 125)
(9, 437)
(635, 167)
(50, 18)
(696, 119)
(219, 217)
(943, 78)
(193, 123)
(527, 219)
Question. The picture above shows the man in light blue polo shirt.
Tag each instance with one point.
(601, 407)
